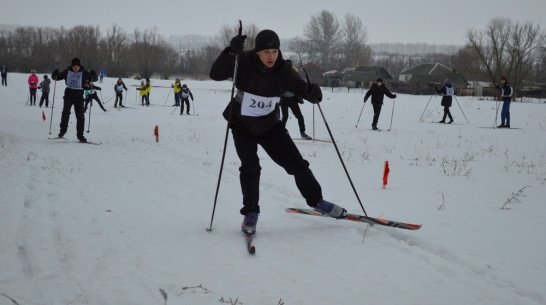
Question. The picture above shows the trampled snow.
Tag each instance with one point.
(125, 222)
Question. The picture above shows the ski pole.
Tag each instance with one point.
(337, 150)
(421, 118)
(467, 122)
(28, 98)
(52, 105)
(392, 113)
(174, 109)
(193, 106)
(356, 126)
(90, 107)
(165, 104)
(227, 133)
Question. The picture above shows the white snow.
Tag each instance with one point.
(120, 222)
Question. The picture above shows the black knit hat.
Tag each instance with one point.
(379, 80)
(76, 62)
(267, 39)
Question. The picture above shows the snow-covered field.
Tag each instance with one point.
(125, 222)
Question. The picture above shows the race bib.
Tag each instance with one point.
(450, 91)
(256, 106)
(74, 80)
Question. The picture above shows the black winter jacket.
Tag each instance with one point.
(255, 78)
(75, 90)
(377, 93)
(447, 98)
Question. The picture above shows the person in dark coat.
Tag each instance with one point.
(290, 101)
(91, 90)
(377, 91)
(185, 95)
(253, 115)
(75, 77)
(506, 92)
(44, 86)
(4, 73)
(447, 92)
(119, 86)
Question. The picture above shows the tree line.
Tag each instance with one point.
(504, 47)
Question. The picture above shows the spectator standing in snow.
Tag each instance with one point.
(447, 92)
(185, 95)
(143, 91)
(119, 86)
(91, 95)
(377, 91)
(101, 76)
(177, 87)
(4, 73)
(44, 86)
(33, 81)
(75, 77)
(253, 116)
(506, 92)
(148, 90)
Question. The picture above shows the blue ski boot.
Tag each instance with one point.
(249, 223)
(330, 209)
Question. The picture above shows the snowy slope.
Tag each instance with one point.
(119, 222)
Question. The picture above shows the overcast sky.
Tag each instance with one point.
(406, 21)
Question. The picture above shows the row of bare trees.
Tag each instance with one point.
(118, 53)
(508, 48)
(505, 47)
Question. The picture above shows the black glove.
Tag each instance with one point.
(365, 99)
(55, 74)
(394, 96)
(237, 44)
(314, 94)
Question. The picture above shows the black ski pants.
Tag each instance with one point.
(376, 113)
(90, 99)
(278, 144)
(295, 107)
(44, 98)
(77, 102)
(187, 102)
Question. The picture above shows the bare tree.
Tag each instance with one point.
(227, 32)
(505, 48)
(323, 31)
(148, 51)
(354, 44)
(83, 42)
(115, 51)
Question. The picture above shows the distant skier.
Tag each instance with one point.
(185, 94)
(32, 87)
(447, 92)
(289, 100)
(44, 86)
(101, 76)
(177, 87)
(91, 91)
(506, 92)
(377, 91)
(119, 86)
(75, 77)
(4, 73)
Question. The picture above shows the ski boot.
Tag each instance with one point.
(249, 223)
(330, 209)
